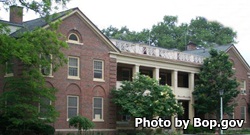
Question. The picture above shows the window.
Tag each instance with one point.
(43, 107)
(9, 68)
(183, 79)
(146, 72)
(73, 38)
(98, 108)
(98, 70)
(231, 116)
(242, 87)
(46, 70)
(243, 113)
(233, 65)
(126, 117)
(126, 74)
(73, 68)
(72, 105)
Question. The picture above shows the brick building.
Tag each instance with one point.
(97, 64)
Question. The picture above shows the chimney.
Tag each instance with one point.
(191, 46)
(16, 14)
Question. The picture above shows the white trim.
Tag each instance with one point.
(78, 68)
(73, 42)
(77, 107)
(94, 119)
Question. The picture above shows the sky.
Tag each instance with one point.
(140, 14)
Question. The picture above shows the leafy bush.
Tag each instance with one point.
(194, 130)
(81, 122)
(43, 129)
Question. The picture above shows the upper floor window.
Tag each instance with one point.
(46, 70)
(9, 69)
(183, 80)
(242, 87)
(98, 70)
(233, 65)
(74, 37)
(126, 74)
(73, 67)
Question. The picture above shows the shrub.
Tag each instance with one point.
(81, 122)
(43, 129)
(194, 130)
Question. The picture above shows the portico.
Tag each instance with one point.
(178, 74)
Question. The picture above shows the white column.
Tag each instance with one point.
(136, 69)
(174, 80)
(156, 73)
(174, 77)
(191, 102)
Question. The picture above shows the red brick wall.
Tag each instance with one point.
(240, 74)
(93, 48)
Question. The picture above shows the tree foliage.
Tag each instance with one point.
(24, 93)
(170, 34)
(216, 74)
(25, 96)
(43, 7)
(144, 97)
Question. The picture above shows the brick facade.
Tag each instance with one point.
(241, 73)
(93, 48)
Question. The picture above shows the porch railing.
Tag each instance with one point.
(157, 52)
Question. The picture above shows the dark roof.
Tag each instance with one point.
(10, 23)
(205, 51)
(40, 22)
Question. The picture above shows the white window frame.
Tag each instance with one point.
(6, 66)
(94, 118)
(77, 107)
(243, 113)
(50, 74)
(78, 68)
(98, 79)
(74, 41)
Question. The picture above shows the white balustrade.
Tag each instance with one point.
(157, 52)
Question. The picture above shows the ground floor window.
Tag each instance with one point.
(73, 106)
(98, 108)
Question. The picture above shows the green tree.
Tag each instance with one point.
(216, 74)
(43, 7)
(169, 34)
(24, 99)
(207, 33)
(144, 97)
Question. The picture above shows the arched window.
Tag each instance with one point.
(73, 37)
